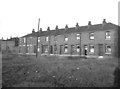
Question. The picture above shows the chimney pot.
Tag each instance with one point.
(33, 30)
(77, 25)
(104, 20)
(89, 23)
(56, 27)
(48, 29)
(66, 26)
(40, 29)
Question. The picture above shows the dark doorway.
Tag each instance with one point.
(61, 49)
(51, 49)
(72, 49)
(85, 49)
(100, 49)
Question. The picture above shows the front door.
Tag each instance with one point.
(61, 49)
(51, 49)
(100, 51)
(72, 49)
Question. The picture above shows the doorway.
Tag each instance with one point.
(85, 49)
(61, 49)
(100, 49)
(51, 49)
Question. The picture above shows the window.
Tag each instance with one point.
(91, 47)
(20, 40)
(107, 35)
(66, 48)
(38, 49)
(66, 38)
(24, 39)
(108, 49)
(55, 38)
(78, 36)
(91, 35)
(78, 48)
(46, 38)
(38, 39)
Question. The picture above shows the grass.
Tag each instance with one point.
(27, 71)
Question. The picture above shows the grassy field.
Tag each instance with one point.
(28, 71)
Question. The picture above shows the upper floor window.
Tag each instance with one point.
(91, 47)
(24, 39)
(55, 38)
(38, 49)
(38, 39)
(108, 49)
(78, 48)
(20, 40)
(91, 35)
(107, 35)
(46, 38)
(78, 36)
(66, 38)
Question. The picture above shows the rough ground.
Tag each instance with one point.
(27, 71)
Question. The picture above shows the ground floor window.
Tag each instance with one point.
(66, 48)
(38, 49)
(44, 48)
(91, 48)
(78, 48)
(108, 49)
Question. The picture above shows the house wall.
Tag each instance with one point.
(99, 38)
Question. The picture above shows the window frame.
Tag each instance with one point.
(46, 38)
(91, 34)
(66, 47)
(38, 39)
(106, 49)
(78, 36)
(65, 37)
(91, 46)
(106, 36)
(77, 48)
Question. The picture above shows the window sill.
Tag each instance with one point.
(107, 39)
(107, 53)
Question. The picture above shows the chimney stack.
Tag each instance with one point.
(77, 25)
(66, 27)
(104, 20)
(89, 23)
(40, 29)
(48, 29)
(56, 28)
(33, 30)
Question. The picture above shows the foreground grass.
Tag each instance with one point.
(26, 71)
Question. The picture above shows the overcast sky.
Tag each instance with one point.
(19, 17)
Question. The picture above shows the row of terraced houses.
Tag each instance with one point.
(90, 40)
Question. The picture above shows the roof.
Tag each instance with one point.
(96, 27)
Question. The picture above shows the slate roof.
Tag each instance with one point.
(96, 27)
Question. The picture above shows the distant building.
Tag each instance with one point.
(90, 40)
(11, 44)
